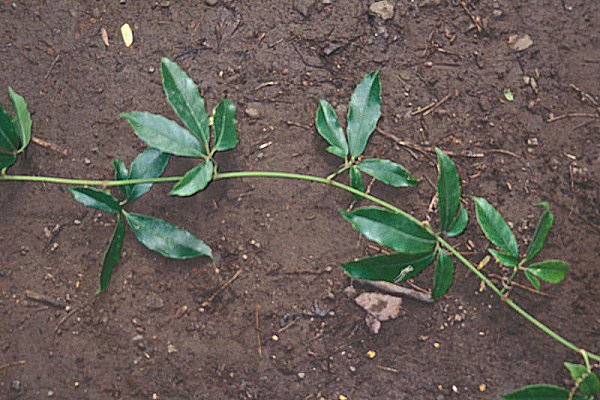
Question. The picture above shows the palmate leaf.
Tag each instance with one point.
(21, 119)
(184, 97)
(495, 227)
(150, 163)
(396, 267)
(444, 274)
(448, 190)
(388, 172)
(541, 392)
(356, 181)
(552, 271)
(225, 123)
(164, 134)
(392, 230)
(113, 255)
(329, 128)
(364, 111)
(9, 139)
(194, 180)
(541, 232)
(589, 384)
(165, 238)
(95, 198)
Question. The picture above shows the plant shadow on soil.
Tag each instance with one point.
(135, 341)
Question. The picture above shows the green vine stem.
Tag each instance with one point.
(284, 175)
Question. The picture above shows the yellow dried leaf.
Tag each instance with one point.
(127, 34)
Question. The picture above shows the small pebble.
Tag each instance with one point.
(301, 375)
(371, 354)
(87, 161)
(211, 2)
(275, 338)
(15, 385)
(50, 393)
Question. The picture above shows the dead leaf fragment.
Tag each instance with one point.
(127, 34)
(104, 33)
(379, 307)
(520, 42)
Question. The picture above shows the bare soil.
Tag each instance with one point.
(148, 336)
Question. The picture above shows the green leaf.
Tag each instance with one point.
(336, 151)
(443, 276)
(356, 182)
(388, 172)
(541, 392)
(195, 180)
(9, 139)
(503, 258)
(589, 384)
(541, 232)
(535, 282)
(396, 267)
(364, 111)
(329, 128)
(6, 160)
(459, 224)
(98, 199)
(150, 163)
(495, 228)
(226, 130)
(166, 239)
(121, 174)
(392, 230)
(448, 190)
(163, 134)
(552, 271)
(22, 119)
(184, 97)
(113, 255)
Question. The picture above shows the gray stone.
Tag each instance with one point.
(154, 302)
(383, 9)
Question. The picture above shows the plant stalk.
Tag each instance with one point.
(329, 182)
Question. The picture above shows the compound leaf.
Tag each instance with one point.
(364, 111)
(495, 227)
(121, 174)
(541, 232)
(329, 128)
(392, 230)
(541, 392)
(9, 139)
(184, 97)
(396, 267)
(459, 224)
(113, 255)
(21, 119)
(165, 238)
(164, 134)
(95, 198)
(552, 271)
(226, 130)
(336, 151)
(535, 282)
(356, 182)
(444, 274)
(194, 180)
(589, 384)
(388, 172)
(150, 163)
(448, 190)
(503, 258)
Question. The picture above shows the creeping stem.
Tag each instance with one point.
(284, 175)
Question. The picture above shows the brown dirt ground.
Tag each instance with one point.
(52, 53)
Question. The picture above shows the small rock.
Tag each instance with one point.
(15, 385)
(383, 9)
(430, 3)
(532, 142)
(137, 338)
(171, 348)
(304, 7)
(520, 43)
(497, 14)
(87, 161)
(301, 375)
(50, 393)
(96, 12)
(252, 111)
(154, 302)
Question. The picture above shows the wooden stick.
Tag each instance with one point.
(12, 364)
(48, 145)
(45, 299)
(258, 338)
(220, 289)
(572, 115)
(396, 289)
(470, 14)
